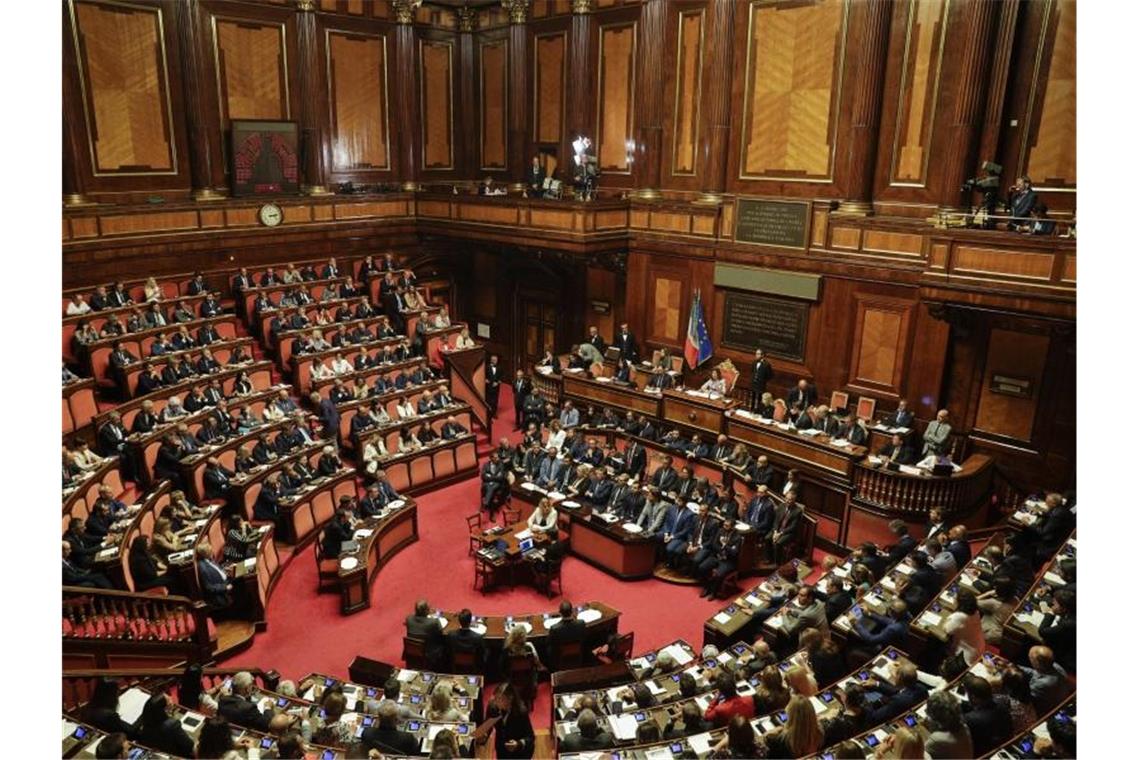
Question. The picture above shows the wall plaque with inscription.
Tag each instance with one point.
(770, 222)
(777, 325)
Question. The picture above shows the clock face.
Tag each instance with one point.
(270, 215)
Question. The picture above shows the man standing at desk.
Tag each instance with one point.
(596, 340)
(494, 377)
(761, 374)
(535, 177)
(422, 627)
(569, 631)
(626, 343)
(936, 439)
(902, 418)
(521, 388)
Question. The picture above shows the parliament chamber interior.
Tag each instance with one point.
(625, 379)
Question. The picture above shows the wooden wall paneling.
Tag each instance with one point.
(685, 56)
(493, 100)
(1049, 146)
(717, 96)
(356, 78)
(789, 110)
(914, 119)
(881, 343)
(1019, 356)
(550, 88)
(121, 63)
(580, 61)
(617, 55)
(253, 58)
(437, 104)
(650, 61)
(923, 387)
(518, 88)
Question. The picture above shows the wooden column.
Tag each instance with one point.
(191, 39)
(72, 137)
(871, 24)
(973, 35)
(994, 120)
(578, 109)
(716, 91)
(469, 156)
(650, 101)
(312, 140)
(404, 96)
(518, 146)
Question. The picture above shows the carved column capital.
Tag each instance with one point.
(405, 10)
(581, 7)
(306, 6)
(516, 10)
(466, 19)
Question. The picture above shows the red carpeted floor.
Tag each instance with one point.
(307, 633)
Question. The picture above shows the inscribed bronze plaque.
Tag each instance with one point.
(776, 325)
(781, 223)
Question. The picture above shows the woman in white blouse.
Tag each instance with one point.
(404, 409)
(543, 518)
(379, 414)
(151, 290)
(374, 452)
(715, 383)
(442, 318)
(318, 371)
(409, 442)
(464, 339)
(340, 365)
(557, 436)
(964, 625)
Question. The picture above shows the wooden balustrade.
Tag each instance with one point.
(103, 629)
(913, 495)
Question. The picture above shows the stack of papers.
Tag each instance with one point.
(131, 703)
(931, 619)
(362, 533)
(406, 676)
(679, 654)
(589, 616)
(623, 726)
(722, 617)
(700, 744)
(631, 527)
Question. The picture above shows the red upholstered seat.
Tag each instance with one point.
(465, 456)
(444, 463)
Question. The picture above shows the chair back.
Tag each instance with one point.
(779, 410)
(568, 655)
(512, 516)
(464, 661)
(839, 400)
(415, 653)
(865, 409)
(625, 646)
(474, 522)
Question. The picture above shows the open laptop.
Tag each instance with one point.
(526, 545)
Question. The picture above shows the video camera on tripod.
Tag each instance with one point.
(987, 184)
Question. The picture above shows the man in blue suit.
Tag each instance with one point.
(329, 416)
(761, 512)
(677, 528)
(215, 584)
(891, 629)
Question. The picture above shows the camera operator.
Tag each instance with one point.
(1022, 201)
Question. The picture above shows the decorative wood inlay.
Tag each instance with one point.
(1069, 273)
(375, 208)
(883, 241)
(610, 219)
(639, 219)
(438, 209)
(819, 220)
(1019, 355)
(939, 254)
(323, 213)
(846, 238)
(795, 61)
(1053, 153)
(918, 90)
(667, 308)
(1033, 266)
(211, 218)
(669, 222)
(84, 227)
(687, 103)
(140, 223)
(358, 101)
(436, 104)
(297, 214)
(251, 68)
(123, 81)
(549, 86)
(704, 225)
(550, 218)
(493, 124)
(617, 51)
(882, 329)
(492, 214)
(241, 217)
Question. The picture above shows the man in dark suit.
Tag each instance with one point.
(905, 544)
(902, 418)
(73, 575)
(899, 697)
(167, 465)
(715, 562)
(216, 479)
(423, 627)
(111, 440)
(337, 532)
(1058, 629)
(787, 524)
(494, 483)
(836, 600)
(569, 630)
(700, 542)
(521, 388)
(761, 512)
(634, 459)
(761, 374)
(935, 525)
(989, 721)
(467, 640)
(958, 545)
(665, 477)
(897, 451)
(626, 343)
(494, 379)
(328, 414)
(598, 491)
(1022, 200)
(802, 396)
(535, 176)
(215, 584)
(596, 340)
(241, 281)
(386, 738)
(239, 706)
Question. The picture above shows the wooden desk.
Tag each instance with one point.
(274, 292)
(97, 354)
(285, 338)
(434, 465)
(389, 400)
(313, 506)
(325, 385)
(577, 385)
(607, 545)
(78, 500)
(421, 684)
(390, 533)
(98, 318)
(695, 411)
(727, 631)
(127, 378)
(302, 364)
(193, 466)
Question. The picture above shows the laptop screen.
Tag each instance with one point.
(526, 544)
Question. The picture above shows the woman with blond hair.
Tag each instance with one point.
(801, 681)
(800, 735)
(440, 706)
(903, 744)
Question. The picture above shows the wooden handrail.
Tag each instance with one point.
(465, 373)
(77, 684)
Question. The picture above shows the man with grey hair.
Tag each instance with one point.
(385, 737)
(589, 736)
(240, 705)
